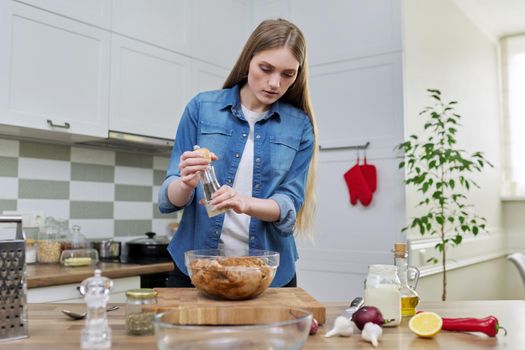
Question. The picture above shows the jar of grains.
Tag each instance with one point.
(49, 245)
(140, 309)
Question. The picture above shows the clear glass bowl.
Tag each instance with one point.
(78, 257)
(232, 328)
(231, 274)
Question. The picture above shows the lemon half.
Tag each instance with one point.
(425, 324)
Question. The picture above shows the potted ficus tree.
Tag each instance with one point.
(441, 174)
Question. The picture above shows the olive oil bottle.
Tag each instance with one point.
(408, 276)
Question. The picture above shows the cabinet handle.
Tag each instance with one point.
(66, 125)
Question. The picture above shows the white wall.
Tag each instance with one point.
(445, 51)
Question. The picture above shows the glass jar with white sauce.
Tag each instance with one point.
(382, 290)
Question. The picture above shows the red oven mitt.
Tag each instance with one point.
(357, 185)
(370, 174)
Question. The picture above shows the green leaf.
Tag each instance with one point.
(475, 230)
(440, 219)
(457, 239)
(401, 165)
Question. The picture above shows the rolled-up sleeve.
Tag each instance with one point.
(290, 194)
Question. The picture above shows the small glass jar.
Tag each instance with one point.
(382, 290)
(140, 310)
(49, 245)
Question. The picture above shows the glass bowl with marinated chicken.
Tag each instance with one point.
(231, 274)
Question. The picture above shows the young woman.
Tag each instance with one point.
(262, 132)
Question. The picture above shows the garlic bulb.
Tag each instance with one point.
(342, 327)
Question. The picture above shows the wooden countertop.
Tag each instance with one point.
(42, 275)
(49, 329)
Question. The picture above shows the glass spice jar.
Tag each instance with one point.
(139, 310)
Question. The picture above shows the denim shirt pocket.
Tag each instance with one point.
(214, 137)
(283, 150)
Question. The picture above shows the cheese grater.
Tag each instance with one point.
(13, 288)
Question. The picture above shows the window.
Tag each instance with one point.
(513, 59)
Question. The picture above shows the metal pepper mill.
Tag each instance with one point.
(96, 333)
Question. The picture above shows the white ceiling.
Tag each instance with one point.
(497, 18)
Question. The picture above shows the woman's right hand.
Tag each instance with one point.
(191, 165)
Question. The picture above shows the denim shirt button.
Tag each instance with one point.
(256, 185)
(244, 135)
(257, 159)
(252, 238)
(237, 155)
(229, 181)
(217, 232)
(258, 136)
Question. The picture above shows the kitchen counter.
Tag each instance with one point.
(49, 329)
(42, 275)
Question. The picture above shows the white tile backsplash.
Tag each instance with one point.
(58, 208)
(9, 187)
(133, 176)
(44, 169)
(91, 191)
(132, 211)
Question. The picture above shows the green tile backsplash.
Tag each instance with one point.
(133, 193)
(90, 210)
(8, 167)
(43, 189)
(44, 151)
(134, 160)
(98, 189)
(92, 172)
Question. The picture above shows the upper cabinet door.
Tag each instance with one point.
(219, 30)
(96, 12)
(160, 22)
(54, 72)
(206, 77)
(349, 29)
(149, 88)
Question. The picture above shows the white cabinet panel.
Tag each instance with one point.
(149, 88)
(205, 77)
(359, 101)
(349, 29)
(160, 22)
(219, 30)
(53, 69)
(68, 293)
(96, 12)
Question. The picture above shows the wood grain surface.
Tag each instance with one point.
(291, 297)
(50, 330)
(42, 275)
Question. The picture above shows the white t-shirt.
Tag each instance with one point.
(234, 234)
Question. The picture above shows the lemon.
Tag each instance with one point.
(425, 324)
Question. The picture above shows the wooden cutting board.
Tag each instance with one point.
(169, 298)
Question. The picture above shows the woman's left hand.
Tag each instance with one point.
(227, 198)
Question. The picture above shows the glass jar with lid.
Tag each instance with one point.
(49, 245)
(382, 290)
(140, 309)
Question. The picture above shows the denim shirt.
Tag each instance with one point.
(283, 147)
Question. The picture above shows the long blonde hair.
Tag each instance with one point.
(277, 33)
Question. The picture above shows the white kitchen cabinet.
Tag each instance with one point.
(160, 22)
(96, 12)
(219, 30)
(54, 72)
(149, 88)
(68, 293)
(205, 77)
